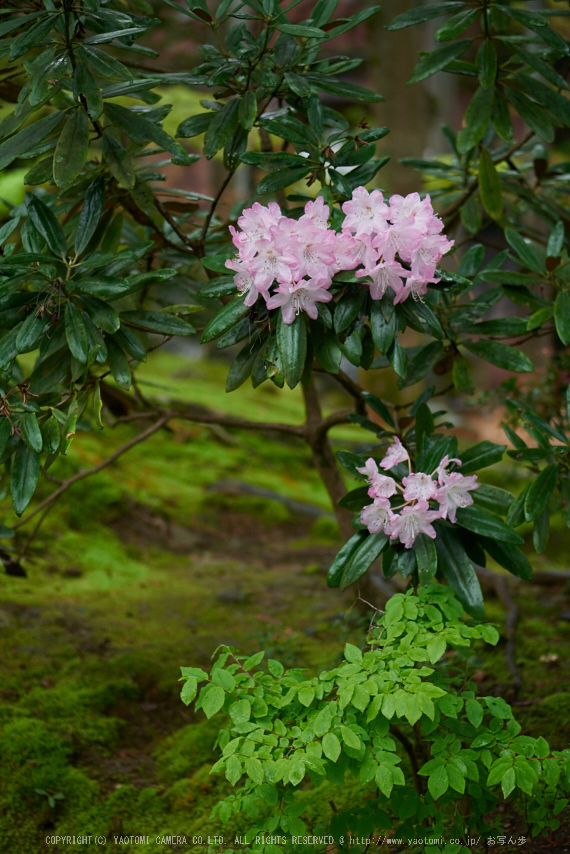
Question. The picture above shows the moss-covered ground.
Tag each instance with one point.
(149, 566)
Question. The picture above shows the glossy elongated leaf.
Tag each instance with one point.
(84, 85)
(5, 433)
(480, 456)
(489, 183)
(71, 149)
(438, 59)
(31, 37)
(91, 213)
(501, 355)
(76, 333)
(456, 25)
(221, 128)
(541, 532)
(487, 62)
(562, 316)
(423, 362)
(326, 347)
(142, 130)
(363, 558)
(47, 224)
(281, 179)
(119, 365)
(508, 556)
(526, 251)
(356, 499)
(28, 138)
(292, 343)
(458, 571)
(101, 313)
(422, 13)
(50, 372)
(31, 433)
(195, 125)
(230, 314)
(383, 331)
(535, 117)
(118, 160)
(158, 321)
(540, 492)
(343, 558)
(493, 498)
(25, 475)
(379, 407)
(487, 524)
(477, 118)
(242, 365)
(29, 332)
(426, 558)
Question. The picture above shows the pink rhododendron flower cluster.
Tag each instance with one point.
(410, 513)
(291, 263)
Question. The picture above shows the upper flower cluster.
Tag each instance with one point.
(449, 489)
(303, 255)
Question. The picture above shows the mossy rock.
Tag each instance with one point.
(182, 754)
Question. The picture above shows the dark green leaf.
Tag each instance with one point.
(426, 558)
(130, 344)
(90, 215)
(510, 557)
(25, 475)
(535, 117)
(5, 433)
(423, 362)
(195, 125)
(281, 179)
(29, 332)
(84, 84)
(356, 499)
(31, 37)
(490, 183)
(438, 59)
(458, 571)
(28, 138)
(301, 30)
(541, 532)
(456, 25)
(493, 498)
(327, 350)
(119, 365)
(47, 224)
(556, 241)
(31, 433)
(292, 343)
(343, 558)
(221, 128)
(462, 379)
(487, 62)
(247, 111)
(71, 149)
(242, 365)
(562, 317)
(101, 313)
(118, 161)
(422, 13)
(378, 407)
(526, 251)
(501, 355)
(50, 372)
(220, 287)
(363, 558)
(158, 321)
(480, 456)
(230, 314)
(398, 358)
(76, 333)
(543, 68)
(383, 331)
(487, 524)
(477, 118)
(540, 492)
(142, 130)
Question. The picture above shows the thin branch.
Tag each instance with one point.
(504, 595)
(472, 186)
(165, 213)
(409, 748)
(216, 418)
(213, 207)
(88, 472)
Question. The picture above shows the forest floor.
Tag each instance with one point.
(153, 563)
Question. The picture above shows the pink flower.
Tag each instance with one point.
(400, 239)
(385, 274)
(416, 287)
(395, 454)
(255, 223)
(244, 280)
(366, 212)
(376, 516)
(269, 264)
(317, 213)
(413, 520)
(427, 255)
(441, 471)
(347, 251)
(295, 297)
(382, 486)
(369, 469)
(419, 486)
(455, 493)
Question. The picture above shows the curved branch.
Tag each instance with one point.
(88, 472)
(216, 418)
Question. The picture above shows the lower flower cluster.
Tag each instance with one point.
(403, 511)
